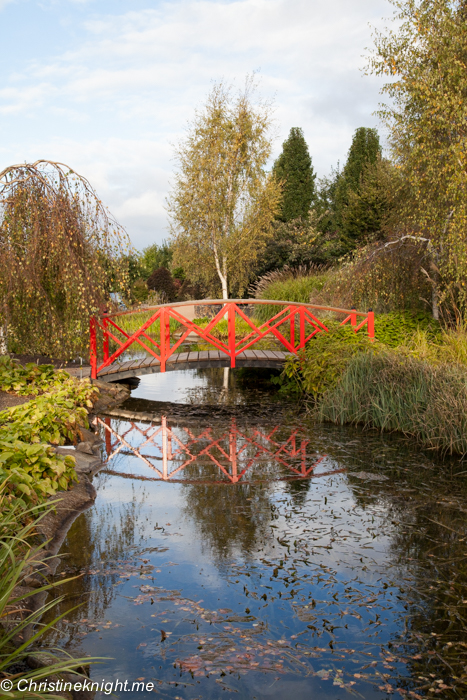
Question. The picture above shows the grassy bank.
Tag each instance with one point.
(413, 379)
(396, 392)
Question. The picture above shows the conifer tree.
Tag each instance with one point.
(363, 165)
(294, 168)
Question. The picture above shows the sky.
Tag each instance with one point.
(108, 86)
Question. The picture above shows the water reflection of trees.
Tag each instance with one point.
(95, 552)
(234, 386)
(425, 508)
(230, 518)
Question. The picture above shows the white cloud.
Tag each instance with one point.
(111, 104)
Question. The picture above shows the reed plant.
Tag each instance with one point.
(449, 347)
(395, 392)
(23, 566)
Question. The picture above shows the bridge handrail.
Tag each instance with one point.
(291, 312)
(212, 302)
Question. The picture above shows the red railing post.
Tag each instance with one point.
(353, 317)
(93, 347)
(302, 327)
(371, 326)
(231, 329)
(292, 328)
(106, 340)
(233, 452)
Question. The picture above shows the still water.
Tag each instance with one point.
(251, 555)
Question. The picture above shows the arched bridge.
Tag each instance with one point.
(228, 331)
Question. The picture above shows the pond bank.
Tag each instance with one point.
(68, 505)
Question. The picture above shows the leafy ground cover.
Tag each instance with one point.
(31, 472)
(29, 466)
(30, 379)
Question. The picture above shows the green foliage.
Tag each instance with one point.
(32, 472)
(384, 279)
(60, 255)
(155, 256)
(30, 379)
(223, 200)
(394, 329)
(294, 168)
(391, 391)
(298, 243)
(54, 417)
(367, 206)
(355, 203)
(287, 285)
(20, 556)
(424, 61)
(29, 467)
(364, 151)
(321, 364)
(139, 290)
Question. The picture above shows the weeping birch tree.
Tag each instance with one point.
(223, 200)
(61, 253)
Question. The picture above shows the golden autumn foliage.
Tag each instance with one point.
(223, 200)
(60, 255)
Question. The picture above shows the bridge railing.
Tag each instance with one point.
(292, 326)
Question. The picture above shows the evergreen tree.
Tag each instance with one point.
(364, 151)
(362, 165)
(294, 168)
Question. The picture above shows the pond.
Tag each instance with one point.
(241, 551)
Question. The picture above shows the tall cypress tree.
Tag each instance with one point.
(364, 155)
(364, 151)
(295, 169)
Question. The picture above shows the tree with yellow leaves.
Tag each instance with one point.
(425, 60)
(223, 200)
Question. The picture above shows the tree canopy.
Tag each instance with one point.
(357, 211)
(223, 200)
(425, 60)
(294, 168)
(61, 253)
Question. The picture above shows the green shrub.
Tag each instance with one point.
(395, 328)
(139, 290)
(31, 379)
(28, 464)
(321, 364)
(288, 285)
(391, 391)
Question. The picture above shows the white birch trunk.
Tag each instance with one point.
(222, 273)
(3, 341)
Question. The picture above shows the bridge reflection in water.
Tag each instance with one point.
(215, 455)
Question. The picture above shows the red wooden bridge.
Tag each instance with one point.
(230, 334)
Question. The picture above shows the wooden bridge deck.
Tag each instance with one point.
(191, 360)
